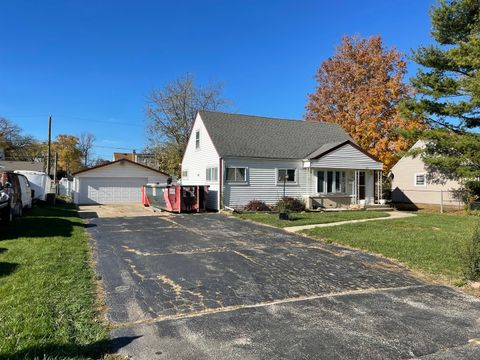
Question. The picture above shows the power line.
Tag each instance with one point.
(134, 123)
(111, 147)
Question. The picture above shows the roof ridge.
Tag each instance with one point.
(268, 117)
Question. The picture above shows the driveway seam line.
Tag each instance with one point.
(233, 308)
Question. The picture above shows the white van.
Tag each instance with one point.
(26, 191)
(39, 182)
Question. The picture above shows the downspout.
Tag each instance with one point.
(220, 184)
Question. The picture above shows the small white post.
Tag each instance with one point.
(380, 185)
(441, 201)
(355, 201)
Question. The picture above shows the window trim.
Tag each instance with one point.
(287, 183)
(186, 176)
(197, 139)
(236, 182)
(424, 179)
(206, 174)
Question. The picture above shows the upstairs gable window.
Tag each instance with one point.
(197, 139)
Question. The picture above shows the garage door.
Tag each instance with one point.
(110, 190)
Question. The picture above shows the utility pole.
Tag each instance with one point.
(49, 145)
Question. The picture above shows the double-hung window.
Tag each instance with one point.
(236, 174)
(287, 176)
(184, 174)
(331, 182)
(197, 139)
(212, 174)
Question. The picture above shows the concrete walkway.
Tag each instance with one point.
(393, 215)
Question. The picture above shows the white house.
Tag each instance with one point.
(244, 157)
(412, 183)
(115, 182)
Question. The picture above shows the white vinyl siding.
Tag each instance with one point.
(262, 182)
(346, 157)
(197, 161)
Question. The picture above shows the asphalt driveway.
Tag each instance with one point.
(212, 287)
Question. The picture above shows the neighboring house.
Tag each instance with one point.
(142, 158)
(120, 156)
(22, 165)
(116, 182)
(245, 157)
(413, 184)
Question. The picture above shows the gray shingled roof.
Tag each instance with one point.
(6, 165)
(262, 137)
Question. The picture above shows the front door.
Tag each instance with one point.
(361, 185)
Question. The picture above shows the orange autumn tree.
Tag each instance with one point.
(359, 88)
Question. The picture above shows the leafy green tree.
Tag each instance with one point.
(448, 90)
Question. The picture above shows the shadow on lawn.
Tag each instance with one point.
(38, 227)
(7, 268)
(54, 211)
(96, 350)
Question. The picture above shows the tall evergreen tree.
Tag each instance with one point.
(448, 90)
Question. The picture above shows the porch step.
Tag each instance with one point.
(380, 208)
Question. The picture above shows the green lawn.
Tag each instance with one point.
(309, 218)
(432, 243)
(47, 289)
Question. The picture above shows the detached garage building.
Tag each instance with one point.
(117, 182)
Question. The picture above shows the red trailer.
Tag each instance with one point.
(176, 198)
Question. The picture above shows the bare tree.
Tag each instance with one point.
(8, 132)
(18, 146)
(171, 112)
(85, 145)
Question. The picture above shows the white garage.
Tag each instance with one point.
(117, 182)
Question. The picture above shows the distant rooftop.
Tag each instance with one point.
(6, 165)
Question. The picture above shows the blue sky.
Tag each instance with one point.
(91, 64)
